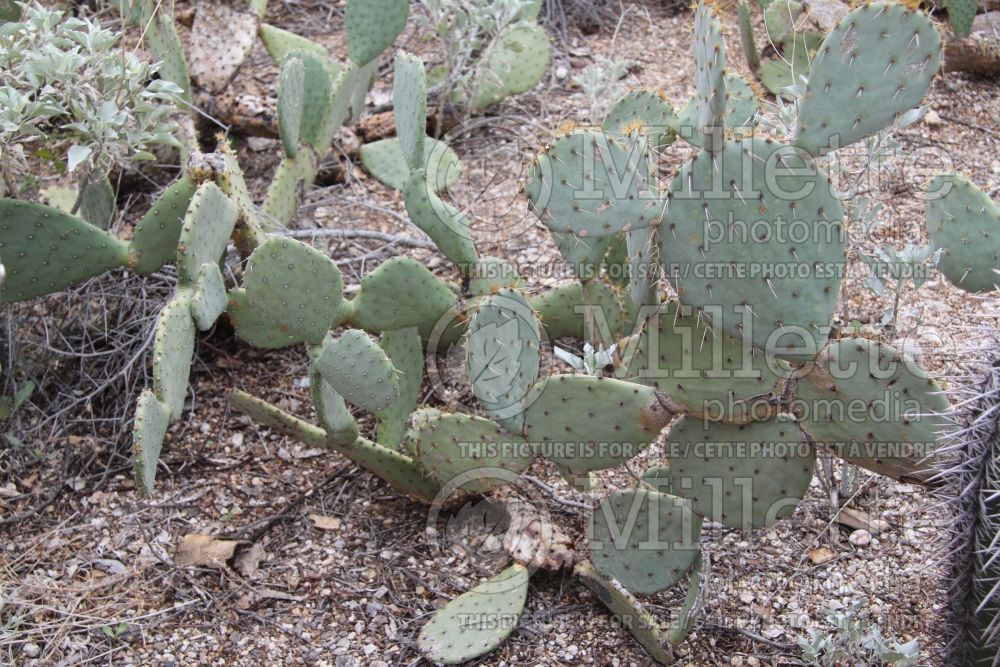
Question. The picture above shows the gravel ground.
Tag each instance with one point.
(333, 568)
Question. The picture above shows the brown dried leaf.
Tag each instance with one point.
(820, 555)
(248, 562)
(325, 522)
(197, 549)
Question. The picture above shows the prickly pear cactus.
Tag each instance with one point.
(963, 224)
(372, 26)
(516, 62)
(357, 368)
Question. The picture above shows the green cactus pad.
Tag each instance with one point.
(476, 622)
(561, 310)
(173, 346)
(46, 250)
(502, 355)
(397, 470)
(409, 99)
(279, 43)
(787, 70)
(644, 266)
(296, 287)
(649, 108)
(714, 375)
(399, 294)
(644, 539)
(709, 77)
(358, 369)
(747, 39)
(248, 233)
(681, 625)
(616, 261)
(876, 65)
(208, 298)
(964, 224)
(166, 48)
(583, 255)
(152, 417)
(327, 99)
(628, 611)
(406, 352)
(361, 81)
(372, 27)
(154, 239)
(741, 115)
(758, 246)
(209, 222)
(590, 185)
(658, 477)
(384, 160)
(961, 14)
(585, 423)
(492, 274)
(515, 63)
(334, 416)
(875, 407)
(98, 203)
(445, 224)
(450, 447)
(292, 180)
(742, 475)
(291, 94)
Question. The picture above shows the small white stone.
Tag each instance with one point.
(31, 649)
(860, 538)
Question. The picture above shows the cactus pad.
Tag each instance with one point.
(208, 298)
(590, 185)
(291, 94)
(358, 369)
(445, 224)
(154, 239)
(644, 539)
(327, 98)
(647, 109)
(209, 222)
(582, 254)
(585, 423)
(562, 310)
(46, 250)
(401, 293)
(292, 179)
(961, 14)
(409, 98)
(152, 417)
(744, 476)
(714, 375)
(876, 65)
(875, 407)
(173, 346)
(476, 622)
(406, 352)
(626, 609)
(709, 77)
(502, 355)
(753, 237)
(644, 267)
(280, 43)
(296, 287)
(384, 160)
(516, 62)
(741, 115)
(492, 274)
(334, 416)
(964, 224)
(372, 27)
(450, 445)
(681, 625)
(166, 48)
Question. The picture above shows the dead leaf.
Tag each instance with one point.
(325, 522)
(820, 555)
(861, 520)
(197, 549)
(248, 561)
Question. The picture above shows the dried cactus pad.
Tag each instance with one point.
(590, 185)
(873, 67)
(742, 475)
(154, 239)
(476, 622)
(502, 354)
(470, 452)
(221, 39)
(964, 224)
(644, 539)
(516, 62)
(296, 288)
(45, 250)
(875, 407)
(585, 423)
(372, 27)
(358, 369)
(620, 602)
(753, 237)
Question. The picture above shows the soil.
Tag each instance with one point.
(341, 570)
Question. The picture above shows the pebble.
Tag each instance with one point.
(31, 649)
(860, 538)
